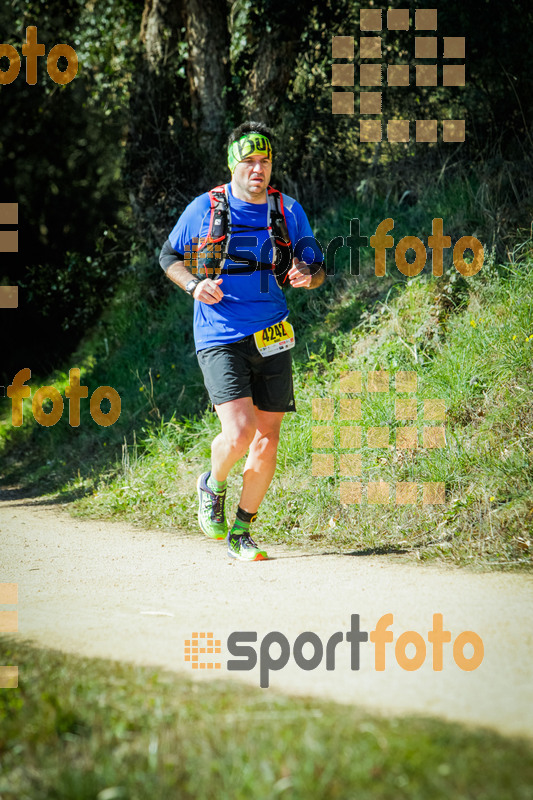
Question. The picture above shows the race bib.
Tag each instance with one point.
(275, 338)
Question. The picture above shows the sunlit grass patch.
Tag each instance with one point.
(87, 729)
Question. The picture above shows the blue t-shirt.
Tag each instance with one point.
(253, 301)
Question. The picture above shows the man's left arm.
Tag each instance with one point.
(306, 276)
(302, 274)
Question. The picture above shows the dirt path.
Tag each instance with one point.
(110, 590)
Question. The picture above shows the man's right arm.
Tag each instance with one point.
(207, 290)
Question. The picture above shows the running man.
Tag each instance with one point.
(242, 336)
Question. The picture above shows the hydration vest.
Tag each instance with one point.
(216, 242)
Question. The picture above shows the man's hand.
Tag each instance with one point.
(302, 276)
(299, 274)
(208, 291)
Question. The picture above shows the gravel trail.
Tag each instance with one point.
(111, 590)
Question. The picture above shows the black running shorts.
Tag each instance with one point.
(236, 370)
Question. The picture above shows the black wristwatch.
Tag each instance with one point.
(191, 286)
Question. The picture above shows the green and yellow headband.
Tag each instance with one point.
(249, 144)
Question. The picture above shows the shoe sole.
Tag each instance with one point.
(257, 557)
(209, 535)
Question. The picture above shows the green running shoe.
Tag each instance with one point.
(211, 511)
(243, 548)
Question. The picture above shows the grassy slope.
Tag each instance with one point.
(478, 360)
(468, 340)
(81, 728)
(86, 729)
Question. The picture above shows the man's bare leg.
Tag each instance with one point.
(238, 430)
(261, 462)
(245, 426)
(238, 421)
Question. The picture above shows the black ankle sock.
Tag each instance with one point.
(242, 523)
(245, 516)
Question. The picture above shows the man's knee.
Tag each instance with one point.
(267, 442)
(239, 437)
(272, 437)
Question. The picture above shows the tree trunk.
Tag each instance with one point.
(274, 57)
(156, 168)
(208, 68)
(160, 26)
(177, 123)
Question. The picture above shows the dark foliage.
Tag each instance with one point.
(102, 167)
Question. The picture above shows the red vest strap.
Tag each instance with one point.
(214, 202)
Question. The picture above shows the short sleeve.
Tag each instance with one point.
(306, 247)
(194, 222)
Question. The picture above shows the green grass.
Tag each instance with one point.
(470, 341)
(81, 729)
(469, 346)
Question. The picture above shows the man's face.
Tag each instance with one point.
(252, 175)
